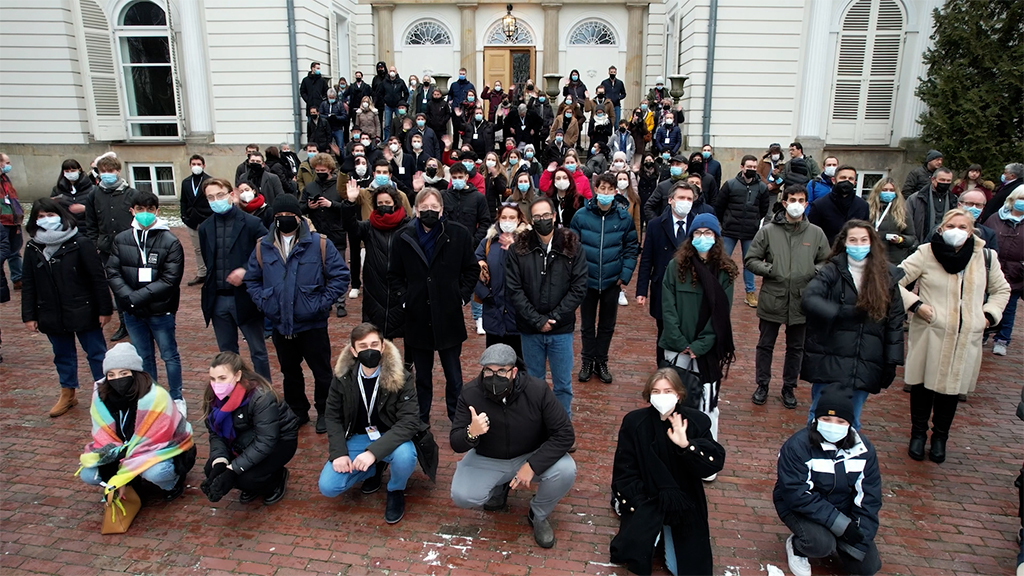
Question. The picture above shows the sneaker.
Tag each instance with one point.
(798, 565)
(622, 299)
(711, 478)
(395, 509)
(372, 484)
(340, 311)
(586, 370)
(999, 349)
(788, 398)
(601, 369)
(498, 501)
(278, 492)
(760, 395)
(480, 326)
(543, 533)
(751, 299)
(180, 404)
(353, 294)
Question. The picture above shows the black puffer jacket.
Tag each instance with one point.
(741, 206)
(67, 294)
(260, 425)
(108, 213)
(67, 194)
(544, 285)
(382, 296)
(844, 345)
(164, 256)
(326, 220)
(469, 208)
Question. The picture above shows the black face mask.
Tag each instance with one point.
(287, 224)
(431, 171)
(942, 187)
(430, 218)
(844, 188)
(496, 386)
(369, 358)
(648, 165)
(385, 209)
(544, 226)
(313, 116)
(121, 385)
(611, 76)
(750, 174)
(256, 169)
(322, 177)
(622, 128)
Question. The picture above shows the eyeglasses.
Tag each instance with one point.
(504, 372)
(972, 204)
(220, 196)
(706, 233)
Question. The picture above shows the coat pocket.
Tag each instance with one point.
(307, 303)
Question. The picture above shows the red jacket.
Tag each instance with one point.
(578, 177)
(10, 209)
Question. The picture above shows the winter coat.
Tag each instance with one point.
(355, 93)
(818, 188)
(495, 189)
(796, 172)
(394, 92)
(945, 354)
(659, 248)
(246, 231)
(382, 296)
(261, 424)
(1010, 236)
(195, 208)
(714, 168)
(571, 132)
(667, 139)
(656, 203)
(166, 258)
(843, 345)
(432, 146)
(11, 213)
(927, 203)
(493, 99)
(787, 255)
(296, 294)
(657, 483)
(421, 98)
(108, 213)
(499, 313)
(469, 208)
(918, 179)
(368, 122)
(577, 90)
(596, 164)
(396, 404)
(825, 213)
(547, 183)
(313, 90)
(553, 152)
(436, 290)
(479, 135)
(327, 221)
(680, 312)
(67, 194)
(318, 131)
(999, 197)
(305, 175)
(897, 252)
(616, 143)
(544, 285)
(741, 206)
(458, 90)
(269, 185)
(609, 242)
(335, 114)
(439, 112)
(525, 130)
(546, 114)
(67, 293)
(530, 420)
(615, 90)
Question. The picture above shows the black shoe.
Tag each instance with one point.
(586, 370)
(303, 418)
(937, 453)
(788, 398)
(340, 312)
(961, 397)
(178, 490)
(395, 509)
(602, 372)
(120, 334)
(916, 448)
(247, 497)
(321, 424)
(279, 491)
(498, 501)
(372, 484)
(760, 395)
(543, 533)
(907, 387)
(198, 280)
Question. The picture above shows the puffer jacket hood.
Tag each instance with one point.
(392, 370)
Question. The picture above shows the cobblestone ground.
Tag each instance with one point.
(957, 518)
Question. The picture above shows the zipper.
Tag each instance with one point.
(600, 253)
(387, 300)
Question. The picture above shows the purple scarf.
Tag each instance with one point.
(221, 410)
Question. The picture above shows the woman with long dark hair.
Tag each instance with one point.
(73, 188)
(499, 315)
(563, 193)
(888, 213)
(854, 319)
(523, 193)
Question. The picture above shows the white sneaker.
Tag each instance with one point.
(180, 403)
(798, 565)
(480, 326)
(711, 478)
(999, 349)
(622, 299)
(353, 293)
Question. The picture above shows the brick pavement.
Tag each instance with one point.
(957, 518)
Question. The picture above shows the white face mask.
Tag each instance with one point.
(775, 157)
(417, 145)
(618, 165)
(71, 176)
(622, 184)
(833, 432)
(491, 163)
(562, 184)
(197, 170)
(364, 142)
(247, 196)
(393, 147)
(955, 237)
(664, 403)
(795, 210)
(682, 207)
(508, 227)
(830, 171)
(361, 170)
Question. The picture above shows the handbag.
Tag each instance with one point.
(691, 381)
(118, 513)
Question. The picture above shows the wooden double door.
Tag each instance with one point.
(510, 66)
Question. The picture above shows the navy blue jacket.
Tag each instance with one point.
(826, 214)
(659, 247)
(246, 231)
(296, 294)
(499, 313)
(675, 139)
(714, 167)
(609, 243)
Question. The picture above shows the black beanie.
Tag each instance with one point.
(835, 400)
(287, 203)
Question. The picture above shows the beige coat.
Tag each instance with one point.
(944, 359)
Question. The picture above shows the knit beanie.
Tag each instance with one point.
(835, 400)
(287, 203)
(932, 155)
(706, 221)
(122, 357)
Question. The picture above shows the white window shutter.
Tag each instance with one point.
(332, 34)
(100, 71)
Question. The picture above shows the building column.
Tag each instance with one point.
(635, 41)
(551, 52)
(385, 29)
(816, 84)
(467, 40)
(195, 70)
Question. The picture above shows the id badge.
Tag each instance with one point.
(145, 274)
(401, 170)
(475, 136)
(668, 140)
(7, 199)
(372, 432)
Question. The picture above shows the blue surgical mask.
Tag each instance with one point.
(6, 169)
(643, 107)
(462, 76)
(575, 78)
(51, 223)
(220, 206)
(676, 171)
(317, 72)
(513, 161)
(542, 99)
(858, 253)
(973, 211)
(478, 117)
(887, 196)
(666, 156)
(1018, 205)
(570, 167)
(605, 199)
(469, 164)
(1002, 177)
(108, 178)
(833, 432)
(523, 186)
(458, 183)
(568, 114)
(702, 244)
(381, 179)
(706, 155)
(421, 123)
(529, 155)
(470, 98)
(332, 100)
(558, 139)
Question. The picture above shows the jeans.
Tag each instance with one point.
(193, 236)
(162, 474)
(477, 478)
(730, 244)
(402, 461)
(267, 474)
(65, 355)
(670, 551)
(859, 398)
(556, 351)
(618, 115)
(922, 403)
(16, 238)
(313, 346)
(1009, 313)
(766, 347)
(389, 113)
(143, 331)
(596, 344)
(339, 138)
(226, 327)
(423, 360)
(812, 540)
(477, 309)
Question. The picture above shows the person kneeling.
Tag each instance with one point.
(530, 440)
(139, 438)
(253, 433)
(829, 490)
(372, 417)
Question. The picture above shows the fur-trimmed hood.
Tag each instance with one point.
(392, 369)
(493, 231)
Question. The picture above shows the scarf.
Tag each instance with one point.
(52, 241)
(953, 261)
(714, 308)
(387, 222)
(220, 413)
(160, 434)
(427, 240)
(1006, 215)
(255, 205)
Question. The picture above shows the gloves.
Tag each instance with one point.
(888, 375)
(220, 485)
(853, 534)
(215, 471)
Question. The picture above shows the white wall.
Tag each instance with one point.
(592, 61)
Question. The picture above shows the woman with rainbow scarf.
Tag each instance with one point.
(138, 435)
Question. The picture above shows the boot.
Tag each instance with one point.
(916, 448)
(121, 332)
(601, 368)
(372, 484)
(586, 370)
(937, 453)
(66, 402)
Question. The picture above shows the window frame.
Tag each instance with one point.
(593, 21)
(438, 23)
(154, 182)
(862, 189)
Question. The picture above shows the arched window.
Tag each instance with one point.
(144, 42)
(428, 33)
(592, 33)
(496, 36)
(866, 72)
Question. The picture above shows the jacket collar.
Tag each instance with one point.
(392, 369)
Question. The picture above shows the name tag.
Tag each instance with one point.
(401, 170)
(372, 432)
(668, 140)
(474, 138)
(7, 200)
(145, 274)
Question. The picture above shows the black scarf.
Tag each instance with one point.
(714, 308)
(953, 261)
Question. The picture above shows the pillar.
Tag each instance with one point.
(467, 41)
(634, 69)
(195, 69)
(816, 84)
(550, 45)
(384, 18)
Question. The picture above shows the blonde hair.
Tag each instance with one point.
(325, 160)
(898, 207)
(1017, 194)
(958, 212)
(427, 193)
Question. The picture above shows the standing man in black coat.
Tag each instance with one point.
(313, 88)
(615, 90)
(741, 205)
(524, 126)
(435, 265)
(466, 205)
(195, 210)
(262, 180)
(832, 211)
(353, 95)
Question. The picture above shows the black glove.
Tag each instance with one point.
(853, 534)
(221, 485)
(888, 375)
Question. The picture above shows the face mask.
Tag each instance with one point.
(496, 386)
(361, 170)
(858, 253)
(332, 100)
(421, 123)
(342, 86)
(575, 77)
(313, 116)
(643, 107)
(247, 196)
(470, 99)
(393, 147)
(682, 207)
(955, 237)
(145, 219)
(668, 121)
(887, 196)
(431, 171)
(512, 161)
(600, 95)
(121, 385)
(384, 209)
(462, 76)
(702, 244)
(322, 177)
(593, 150)
(364, 142)
(529, 155)
(222, 389)
(558, 139)
(844, 188)
(508, 227)
(71, 176)
(51, 223)
(317, 72)
(458, 183)
(287, 224)
(369, 357)
(365, 105)
(490, 163)
(666, 156)
(659, 86)
(497, 87)
(430, 218)
(469, 164)
(220, 206)
(544, 226)
(973, 211)
(1018, 205)
(749, 174)
(381, 179)
(562, 184)
(392, 75)
(542, 99)
(523, 186)
(570, 167)
(775, 157)
(833, 432)
(706, 155)
(664, 403)
(478, 117)
(255, 169)
(676, 171)
(942, 187)
(568, 114)
(107, 178)
(830, 171)
(648, 164)
(794, 209)
(605, 199)
(622, 129)
(611, 76)
(618, 165)
(568, 101)
(1002, 178)
(401, 111)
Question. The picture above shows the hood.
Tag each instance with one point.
(392, 370)
(160, 224)
(384, 65)
(780, 219)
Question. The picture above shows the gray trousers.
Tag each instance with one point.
(477, 478)
(193, 236)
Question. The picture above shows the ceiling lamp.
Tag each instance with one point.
(509, 25)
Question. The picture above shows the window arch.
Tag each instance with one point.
(592, 33)
(496, 36)
(145, 45)
(428, 33)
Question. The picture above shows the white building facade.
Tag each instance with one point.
(159, 80)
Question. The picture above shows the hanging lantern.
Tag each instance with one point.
(508, 24)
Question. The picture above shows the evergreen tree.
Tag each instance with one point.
(975, 84)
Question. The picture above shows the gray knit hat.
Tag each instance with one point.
(122, 357)
(499, 355)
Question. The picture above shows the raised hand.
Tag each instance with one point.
(480, 423)
(352, 190)
(677, 433)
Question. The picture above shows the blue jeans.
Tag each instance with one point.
(1006, 326)
(618, 114)
(339, 139)
(162, 474)
(65, 355)
(859, 398)
(389, 113)
(555, 350)
(402, 461)
(670, 551)
(143, 331)
(477, 309)
(226, 327)
(730, 244)
(16, 237)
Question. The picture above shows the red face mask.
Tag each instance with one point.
(509, 146)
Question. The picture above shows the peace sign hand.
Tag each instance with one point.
(677, 433)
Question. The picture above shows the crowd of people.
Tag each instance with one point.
(525, 211)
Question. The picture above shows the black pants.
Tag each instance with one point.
(267, 474)
(423, 361)
(925, 403)
(659, 352)
(313, 346)
(766, 347)
(596, 343)
(355, 262)
(812, 540)
(512, 340)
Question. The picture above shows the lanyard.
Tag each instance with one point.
(362, 392)
(195, 189)
(882, 217)
(142, 246)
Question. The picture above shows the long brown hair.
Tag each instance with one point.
(717, 260)
(142, 382)
(899, 205)
(873, 295)
(250, 379)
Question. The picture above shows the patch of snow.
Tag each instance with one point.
(775, 571)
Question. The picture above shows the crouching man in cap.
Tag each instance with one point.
(528, 441)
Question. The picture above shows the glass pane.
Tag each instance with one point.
(155, 130)
(145, 50)
(869, 182)
(165, 173)
(521, 69)
(140, 173)
(145, 14)
(143, 186)
(150, 91)
(165, 188)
